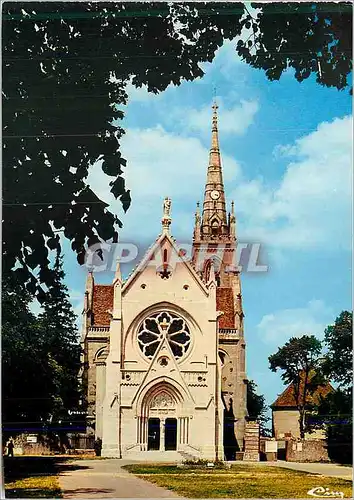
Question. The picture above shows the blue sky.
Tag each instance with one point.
(286, 150)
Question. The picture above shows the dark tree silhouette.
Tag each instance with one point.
(337, 408)
(299, 361)
(65, 71)
(256, 405)
(40, 356)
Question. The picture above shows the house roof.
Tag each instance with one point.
(101, 303)
(225, 303)
(287, 398)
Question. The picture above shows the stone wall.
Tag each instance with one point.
(42, 444)
(268, 448)
(25, 447)
(307, 451)
(286, 422)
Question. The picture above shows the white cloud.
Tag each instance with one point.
(139, 94)
(235, 120)
(160, 164)
(280, 326)
(311, 206)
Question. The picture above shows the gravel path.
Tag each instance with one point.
(106, 479)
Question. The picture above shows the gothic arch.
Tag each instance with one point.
(101, 355)
(161, 386)
(215, 261)
(162, 395)
(223, 356)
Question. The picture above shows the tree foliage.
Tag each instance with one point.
(256, 405)
(58, 323)
(336, 410)
(27, 384)
(40, 356)
(335, 416)
(311, 38)
(299, 361)
(66, 68)
(338, 363)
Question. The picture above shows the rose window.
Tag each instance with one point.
(161, 326)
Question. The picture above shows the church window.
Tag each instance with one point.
(160, 326)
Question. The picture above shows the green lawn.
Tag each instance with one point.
(34, 487)
(37, 476)
(240, 481)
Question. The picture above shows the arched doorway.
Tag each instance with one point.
(161, 425)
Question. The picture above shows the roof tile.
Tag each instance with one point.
(225, 303)
(287, 397)
(102, 301)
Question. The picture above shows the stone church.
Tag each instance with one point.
(164, 349)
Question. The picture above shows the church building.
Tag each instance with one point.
(164, 349)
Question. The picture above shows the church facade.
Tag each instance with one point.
(164, 350)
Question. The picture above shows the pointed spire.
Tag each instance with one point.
(118, 274)
(214, 156)
(197, 214)
(214, 219)
(214, 129)
(196, 236)
(232, 224)
(212, 278)
(232, 211)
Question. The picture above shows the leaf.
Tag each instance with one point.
(126, 200)
(117, 187)
(111, 166)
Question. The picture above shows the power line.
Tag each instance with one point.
(49, 203)
(277, 9)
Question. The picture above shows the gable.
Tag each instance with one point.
(225, 303)
(102, 301)
(164, 260)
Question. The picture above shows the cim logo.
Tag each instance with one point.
(320, 492)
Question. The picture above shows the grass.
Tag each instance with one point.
(240, 481)
(33, 476)
(37, 476)
(34, 487)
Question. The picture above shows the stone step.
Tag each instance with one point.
(154, 456)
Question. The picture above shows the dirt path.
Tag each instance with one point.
(106, 479)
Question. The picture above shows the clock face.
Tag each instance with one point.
(215, 195)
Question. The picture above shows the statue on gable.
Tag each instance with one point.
(167, 207)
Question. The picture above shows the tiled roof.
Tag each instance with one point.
(287, 398)
(225, 303)
(102, 301)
